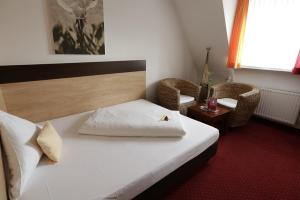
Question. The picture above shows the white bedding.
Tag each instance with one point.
(97, 167)
(138, 118)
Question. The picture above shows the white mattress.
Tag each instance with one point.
(96, 167)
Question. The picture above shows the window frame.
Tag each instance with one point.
(279, 69)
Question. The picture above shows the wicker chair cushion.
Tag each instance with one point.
(185, 99)
(228, 102)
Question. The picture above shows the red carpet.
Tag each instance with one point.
(259, 161)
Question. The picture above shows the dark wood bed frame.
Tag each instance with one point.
(27, 73)
(183, 173)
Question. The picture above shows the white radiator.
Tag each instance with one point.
(279, 105)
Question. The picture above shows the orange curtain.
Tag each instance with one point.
(237, 35)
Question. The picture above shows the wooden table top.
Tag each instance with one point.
(221, 110)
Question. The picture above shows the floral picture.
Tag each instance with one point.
(77, 26)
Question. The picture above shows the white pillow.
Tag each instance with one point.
(137, 119)
(22, 151)
(3, 195)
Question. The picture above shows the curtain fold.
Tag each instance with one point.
(237, 35)
(296, 69)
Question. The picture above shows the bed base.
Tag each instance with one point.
(183, 173)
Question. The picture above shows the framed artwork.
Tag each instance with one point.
(77, 26)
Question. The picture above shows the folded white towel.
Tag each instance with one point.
(137, 118)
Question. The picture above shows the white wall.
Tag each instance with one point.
(204, 25)
(134, 29)
(269, 79)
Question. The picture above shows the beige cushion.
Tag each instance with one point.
(186, 99)
(228, 102)
(50, 142)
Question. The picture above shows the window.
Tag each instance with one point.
(272, 36)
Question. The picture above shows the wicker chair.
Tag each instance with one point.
(247, 98)
(171, 90)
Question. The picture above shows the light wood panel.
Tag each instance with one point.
(48, 99)
(2, 102)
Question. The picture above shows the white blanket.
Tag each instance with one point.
(137, 118)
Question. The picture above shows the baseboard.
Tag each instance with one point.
(276, 123)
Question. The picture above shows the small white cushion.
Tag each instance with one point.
(228, 102)
(22, 151)
(186, 99)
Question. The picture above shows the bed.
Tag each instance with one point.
(98, 167)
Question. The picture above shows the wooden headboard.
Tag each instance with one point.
(43, 92)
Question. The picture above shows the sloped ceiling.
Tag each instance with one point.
(203, 23)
